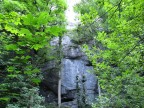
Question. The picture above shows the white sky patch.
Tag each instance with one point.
(71, 16)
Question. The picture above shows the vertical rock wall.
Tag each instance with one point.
(74, 64)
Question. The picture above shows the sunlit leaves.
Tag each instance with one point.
(44, 18)
(29, 20)
(11, 47)
(55, 30)
(117, 54)
(5, 99)
(26, 27)
(37, 46)
(25, 31)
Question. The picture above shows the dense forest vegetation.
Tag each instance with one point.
(117, 26)
(117, 55)
(26, 28)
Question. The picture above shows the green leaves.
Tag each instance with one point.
(29, 20)
(5, 99)
(11, 69)
(112, 45)
(26, 27)
(116, 56)
(37, 46)
(55, 30)
(44, 18)
(36, 80)
(11, 47)
(25, 32)
(29, 70)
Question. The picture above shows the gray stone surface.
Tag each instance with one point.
(75, 63)
(71, 69)
(72, 104)
(66, 41)
(72, 52)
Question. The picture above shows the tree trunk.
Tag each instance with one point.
(59, 74)
(59, 90)
(100, 96)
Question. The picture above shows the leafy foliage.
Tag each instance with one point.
(28, 98)
(118, 52)
(26, 27)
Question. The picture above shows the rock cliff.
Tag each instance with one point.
(74, 69)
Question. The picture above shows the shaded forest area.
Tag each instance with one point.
(117, 55)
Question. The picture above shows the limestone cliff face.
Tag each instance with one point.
(74, 65)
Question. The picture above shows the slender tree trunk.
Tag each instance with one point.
(99, 92)
(59, 74)
(59, 90)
